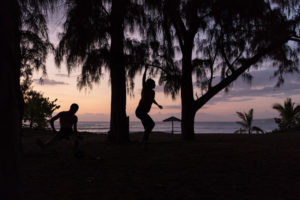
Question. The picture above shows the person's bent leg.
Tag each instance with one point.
(149, 125)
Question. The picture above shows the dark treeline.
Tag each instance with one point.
(214, 41)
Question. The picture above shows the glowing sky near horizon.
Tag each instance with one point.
(95, 104)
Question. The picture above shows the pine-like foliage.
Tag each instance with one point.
(86, 40)
(34, 44)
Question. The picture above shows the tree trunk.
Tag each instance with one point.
(187, 122)
(10, 101)
(187, 96)
(119, 123)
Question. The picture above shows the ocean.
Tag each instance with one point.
(200, 127)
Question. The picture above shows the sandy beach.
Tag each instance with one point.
(214, 166)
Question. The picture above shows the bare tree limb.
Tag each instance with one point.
(228, 80)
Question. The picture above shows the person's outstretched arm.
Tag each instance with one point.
(144, 76)
(52, 121)
(157, 104)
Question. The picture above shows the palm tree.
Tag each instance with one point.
(289, 113)
(246, 123)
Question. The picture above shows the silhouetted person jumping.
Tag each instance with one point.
(68, 127)
(147, 98)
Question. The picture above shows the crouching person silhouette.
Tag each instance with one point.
(144, 106)
(68, 127)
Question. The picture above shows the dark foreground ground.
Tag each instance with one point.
(211, 167)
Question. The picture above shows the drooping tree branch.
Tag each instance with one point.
(212, 71)
(229, 65)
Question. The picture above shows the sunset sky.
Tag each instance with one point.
(94, 105)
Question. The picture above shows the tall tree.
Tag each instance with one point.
(10, 101)
(95, 37)
(119, 128)
(220, 41)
